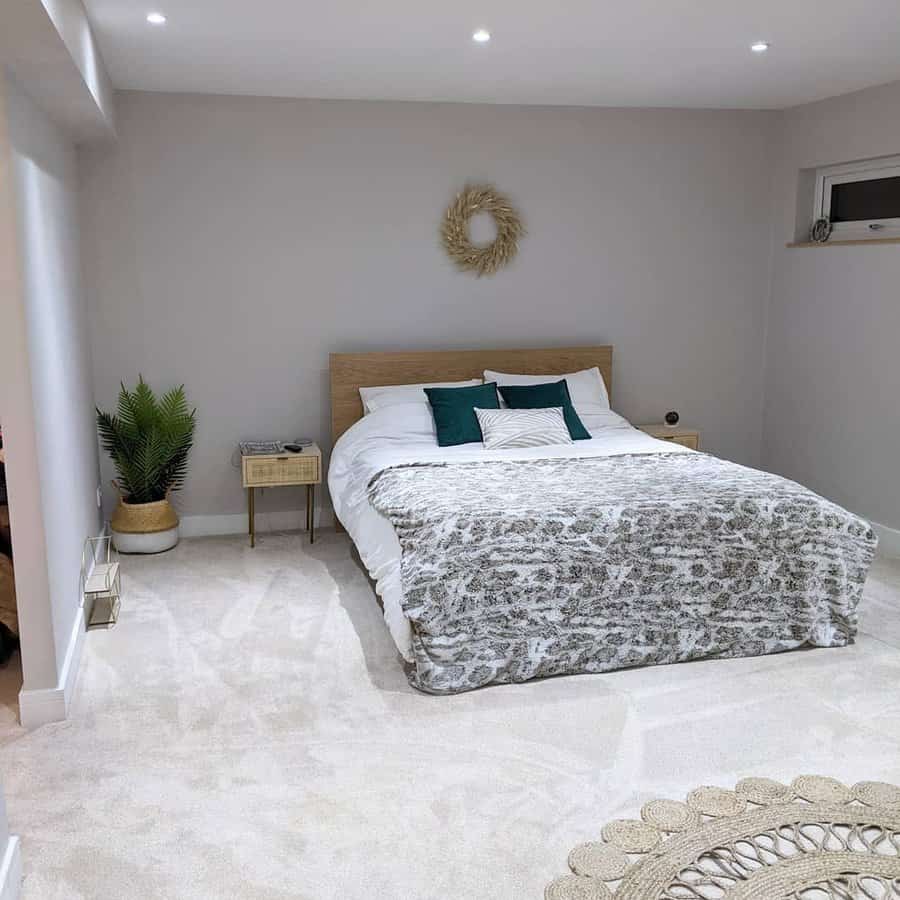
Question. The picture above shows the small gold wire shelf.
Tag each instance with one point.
(101, 581)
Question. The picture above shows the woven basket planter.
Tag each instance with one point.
(144, 527)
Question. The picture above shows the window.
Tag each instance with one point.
(861, 199)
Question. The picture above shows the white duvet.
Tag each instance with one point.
(403, 434)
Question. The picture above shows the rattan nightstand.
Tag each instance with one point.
(687, 437)
(283, 470)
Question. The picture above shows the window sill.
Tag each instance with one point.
(839, 243)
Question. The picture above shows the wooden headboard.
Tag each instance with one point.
(351, 371)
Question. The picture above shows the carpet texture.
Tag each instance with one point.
(246, 731)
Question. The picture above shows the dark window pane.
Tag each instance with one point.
(860, 200)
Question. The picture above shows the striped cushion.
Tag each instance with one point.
(504, 428)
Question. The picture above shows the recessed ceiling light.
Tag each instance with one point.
(156, 18)
(759, 46)
(481, 36)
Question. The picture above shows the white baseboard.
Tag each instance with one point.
(45, 705)
(42, 706)
(11, 870)
(288, 520)
(888, 540)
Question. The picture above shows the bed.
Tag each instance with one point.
(500, 566)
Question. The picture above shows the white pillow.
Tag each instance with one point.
(392, 394)
(586, 388)
(505, 428)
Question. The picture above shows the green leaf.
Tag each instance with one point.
(149, 441)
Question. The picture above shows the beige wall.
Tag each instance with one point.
(54, 91)
(17, 417)
(71, 23)
(46, 405)
(231, 243)
(48, 46)
(833, 369)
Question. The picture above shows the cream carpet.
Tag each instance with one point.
(246, 731)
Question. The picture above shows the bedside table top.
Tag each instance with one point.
(311, 450)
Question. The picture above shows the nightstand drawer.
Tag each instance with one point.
(269, 471)
(686, 437)
(686, 440)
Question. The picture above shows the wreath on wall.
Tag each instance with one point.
(483, 259)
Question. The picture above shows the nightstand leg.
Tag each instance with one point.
(251, 515)
(311, 511)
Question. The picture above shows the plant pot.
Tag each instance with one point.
(144, 527)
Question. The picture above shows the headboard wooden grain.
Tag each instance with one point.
(351, 371)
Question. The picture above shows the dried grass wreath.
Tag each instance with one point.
(486, 259)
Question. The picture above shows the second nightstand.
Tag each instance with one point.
(687, 437)
(283, 470)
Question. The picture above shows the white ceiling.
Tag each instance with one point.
(586, 52)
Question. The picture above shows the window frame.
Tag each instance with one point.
(866, 170)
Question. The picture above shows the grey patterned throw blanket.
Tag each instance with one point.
(517, 570)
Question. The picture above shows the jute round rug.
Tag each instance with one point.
(815, 839)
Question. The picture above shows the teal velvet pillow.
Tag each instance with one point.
(542, 396)
(454, 412)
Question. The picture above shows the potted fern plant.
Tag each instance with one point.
(149, 441)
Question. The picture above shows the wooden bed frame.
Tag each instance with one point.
(351, 371)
